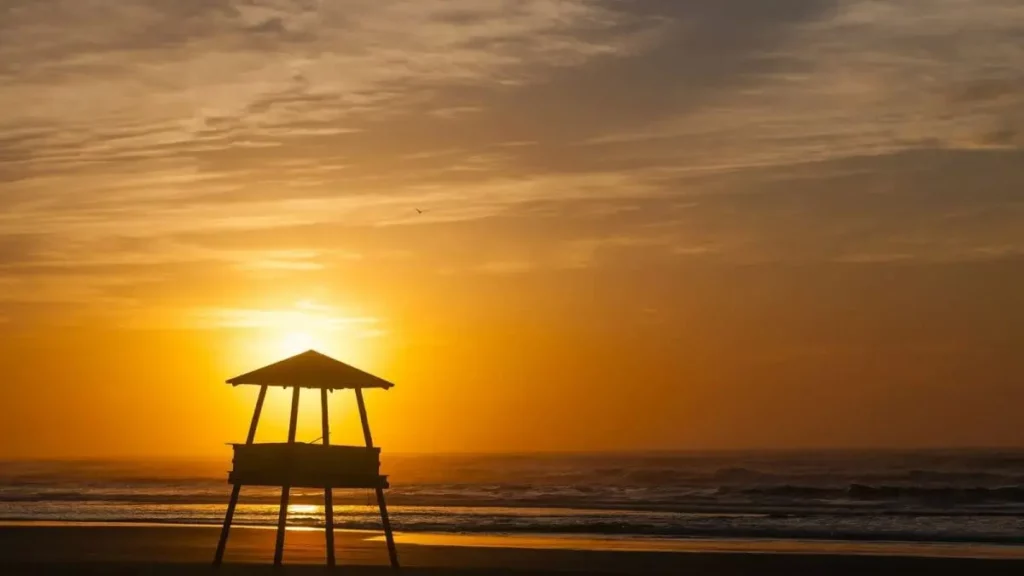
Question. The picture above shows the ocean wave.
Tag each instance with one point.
(941, 529)
(930, 494)
(975, 484)
(779, 502)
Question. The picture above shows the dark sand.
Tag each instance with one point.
(172, 551)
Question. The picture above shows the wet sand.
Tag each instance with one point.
(174, 550)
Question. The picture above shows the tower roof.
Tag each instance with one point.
(311, 369)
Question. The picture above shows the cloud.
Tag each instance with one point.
(506, 267)
(453, 111)
(158, 142)
(866, 78)
(319, 317)
(149, 119)
(103, 79)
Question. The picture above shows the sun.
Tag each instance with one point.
(296, 342)
(273, 334)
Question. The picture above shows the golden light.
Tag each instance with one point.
(278, 333)
(268, 335)
(293, 343)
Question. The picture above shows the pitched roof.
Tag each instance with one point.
(311, 369)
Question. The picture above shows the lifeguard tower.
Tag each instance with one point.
(298, 465)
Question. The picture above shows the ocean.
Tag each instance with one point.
(922, 496)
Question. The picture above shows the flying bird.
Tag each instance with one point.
(418, 211)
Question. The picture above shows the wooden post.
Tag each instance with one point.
(362, 417)
(282, 515)
(219, 556)
(392, 553)
(328, 491)
(295, 415)
(256, 415)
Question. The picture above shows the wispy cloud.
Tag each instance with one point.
(149, 140)
(303, 315)
(867, 78)
(94, 80)
(152, 118)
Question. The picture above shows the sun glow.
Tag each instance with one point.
(304, 509)
(293, 343)
(267, 335)
(277, 333)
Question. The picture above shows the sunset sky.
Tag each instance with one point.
(645, 225)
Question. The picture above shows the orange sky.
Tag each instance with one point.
(572, 225)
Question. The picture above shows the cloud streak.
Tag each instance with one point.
(98, 80)
(868, 78)
(140, 139)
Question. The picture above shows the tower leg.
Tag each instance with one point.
(219, 556)
(392, 553)
(329, 524)
(282, 515)
(282, 518)
(223, 542)
(328, 491)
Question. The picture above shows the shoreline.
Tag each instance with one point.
(187, 550)
(593, 543)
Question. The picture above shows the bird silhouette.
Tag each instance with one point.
(418, 211)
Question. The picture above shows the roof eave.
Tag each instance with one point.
(235, 382)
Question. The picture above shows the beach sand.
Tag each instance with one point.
(179, 550)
